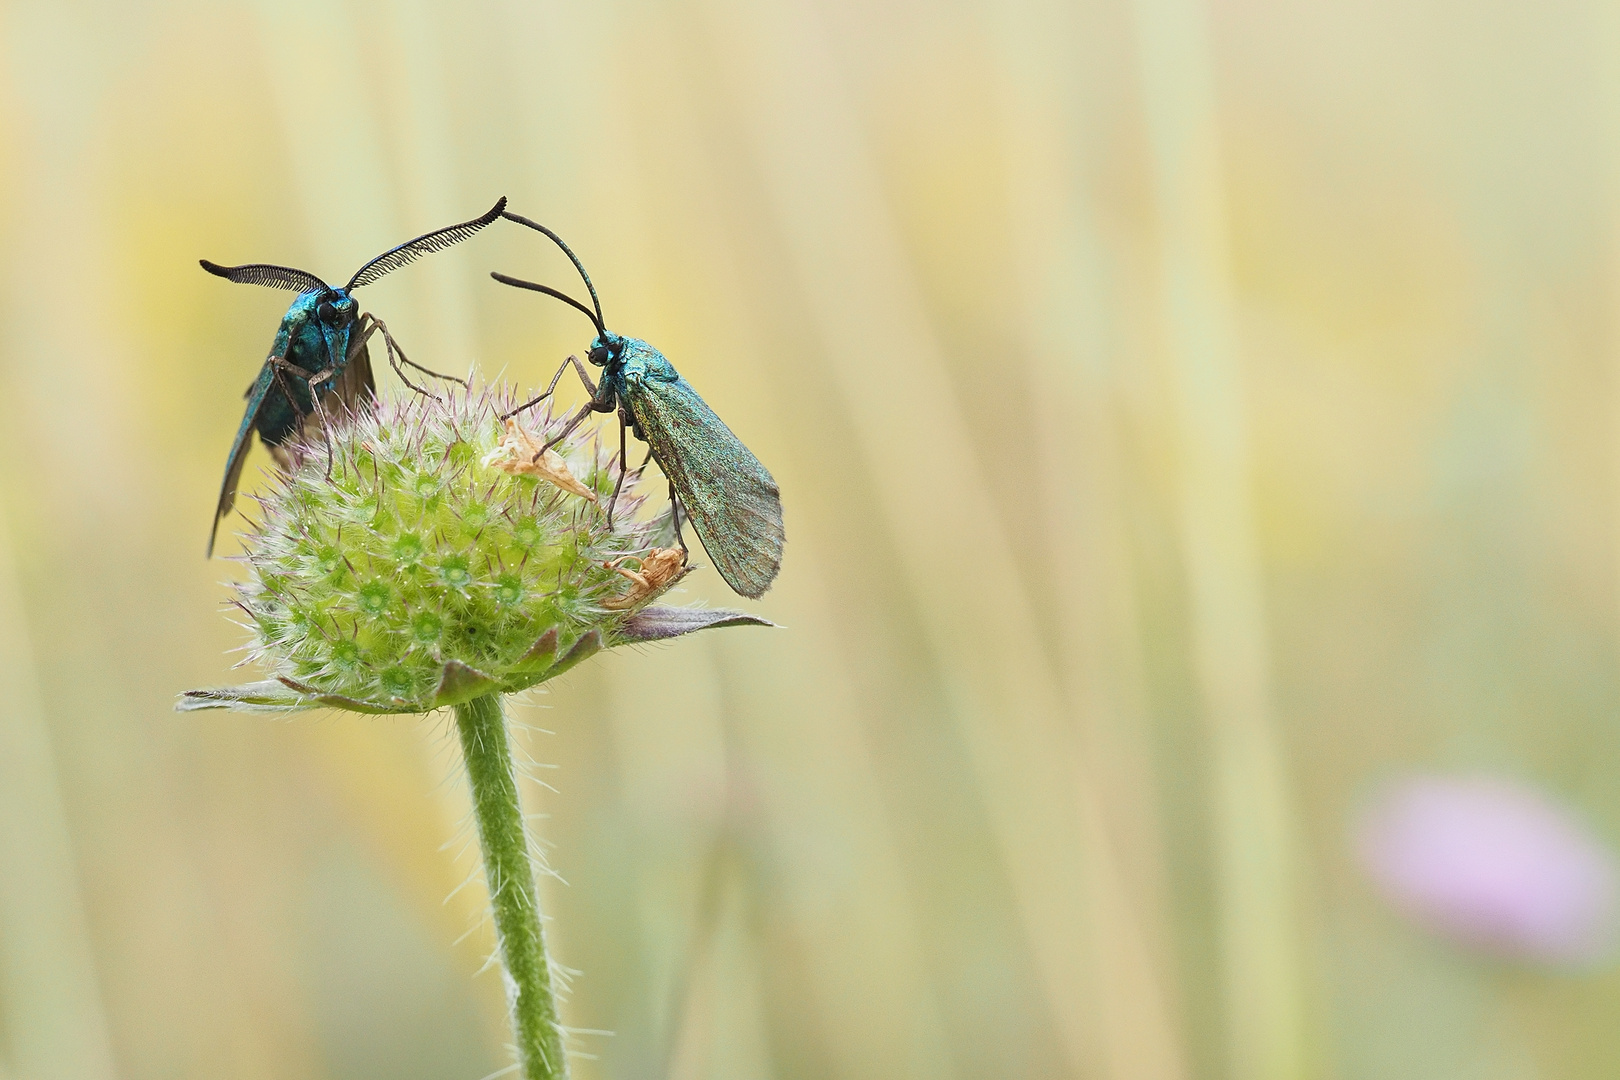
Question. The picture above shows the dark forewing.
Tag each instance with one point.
(355, 389)
(731, 499)
(233, 464)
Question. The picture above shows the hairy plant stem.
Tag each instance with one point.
(512, 890)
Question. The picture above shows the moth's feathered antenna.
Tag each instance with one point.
(276, 277)
(411, 250)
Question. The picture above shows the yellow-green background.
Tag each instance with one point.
(1187, 413)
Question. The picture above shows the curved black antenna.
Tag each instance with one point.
(537, 227)
(549, 291)
(411, 250)
(277, 277)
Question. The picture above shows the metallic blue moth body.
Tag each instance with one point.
(279, 399)
(313, 344)
(320, 356)
(732, 500)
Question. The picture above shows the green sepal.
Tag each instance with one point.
(268, 696)
(541, 655)
(335, 701)
(589, 644)
(460, 683)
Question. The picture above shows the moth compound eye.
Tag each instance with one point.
(334, 316)
(599, 355)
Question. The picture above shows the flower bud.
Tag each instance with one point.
(426, 553)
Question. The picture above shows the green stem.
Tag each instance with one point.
(512, 890)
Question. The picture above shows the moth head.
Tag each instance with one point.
(606, 347)
(336, 309)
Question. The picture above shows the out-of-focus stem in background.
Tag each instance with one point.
(1066, 345)
(1257, 865)
(970, 606)
(54, 1027)
(1608, 42)
(408, 195)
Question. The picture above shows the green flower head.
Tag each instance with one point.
(429, 552)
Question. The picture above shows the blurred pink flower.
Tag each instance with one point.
(1492, 864)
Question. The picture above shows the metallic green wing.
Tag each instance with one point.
(730, 498)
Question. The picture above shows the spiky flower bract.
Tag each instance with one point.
(398, 567)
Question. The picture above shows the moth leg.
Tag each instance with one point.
(277, 366)
(584, 377)
(326, 438)
(639, 469)
(573, 423)
(623, 463)
(311, 381)
(391, 345)
(314, 379)
(333, 366)
(280, 366)
(465, 384)
(357, 385)
(675, 515)
(602, 401)
(365, 328)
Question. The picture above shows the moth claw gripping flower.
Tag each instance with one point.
(425, 557)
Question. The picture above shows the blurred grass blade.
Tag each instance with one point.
(53, 1020)
(871, 316)
(343, 221)
(1067, 334)
(1260, 947)
(429, 192)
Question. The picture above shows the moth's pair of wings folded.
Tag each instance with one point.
(353, 389)
(729, 496)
